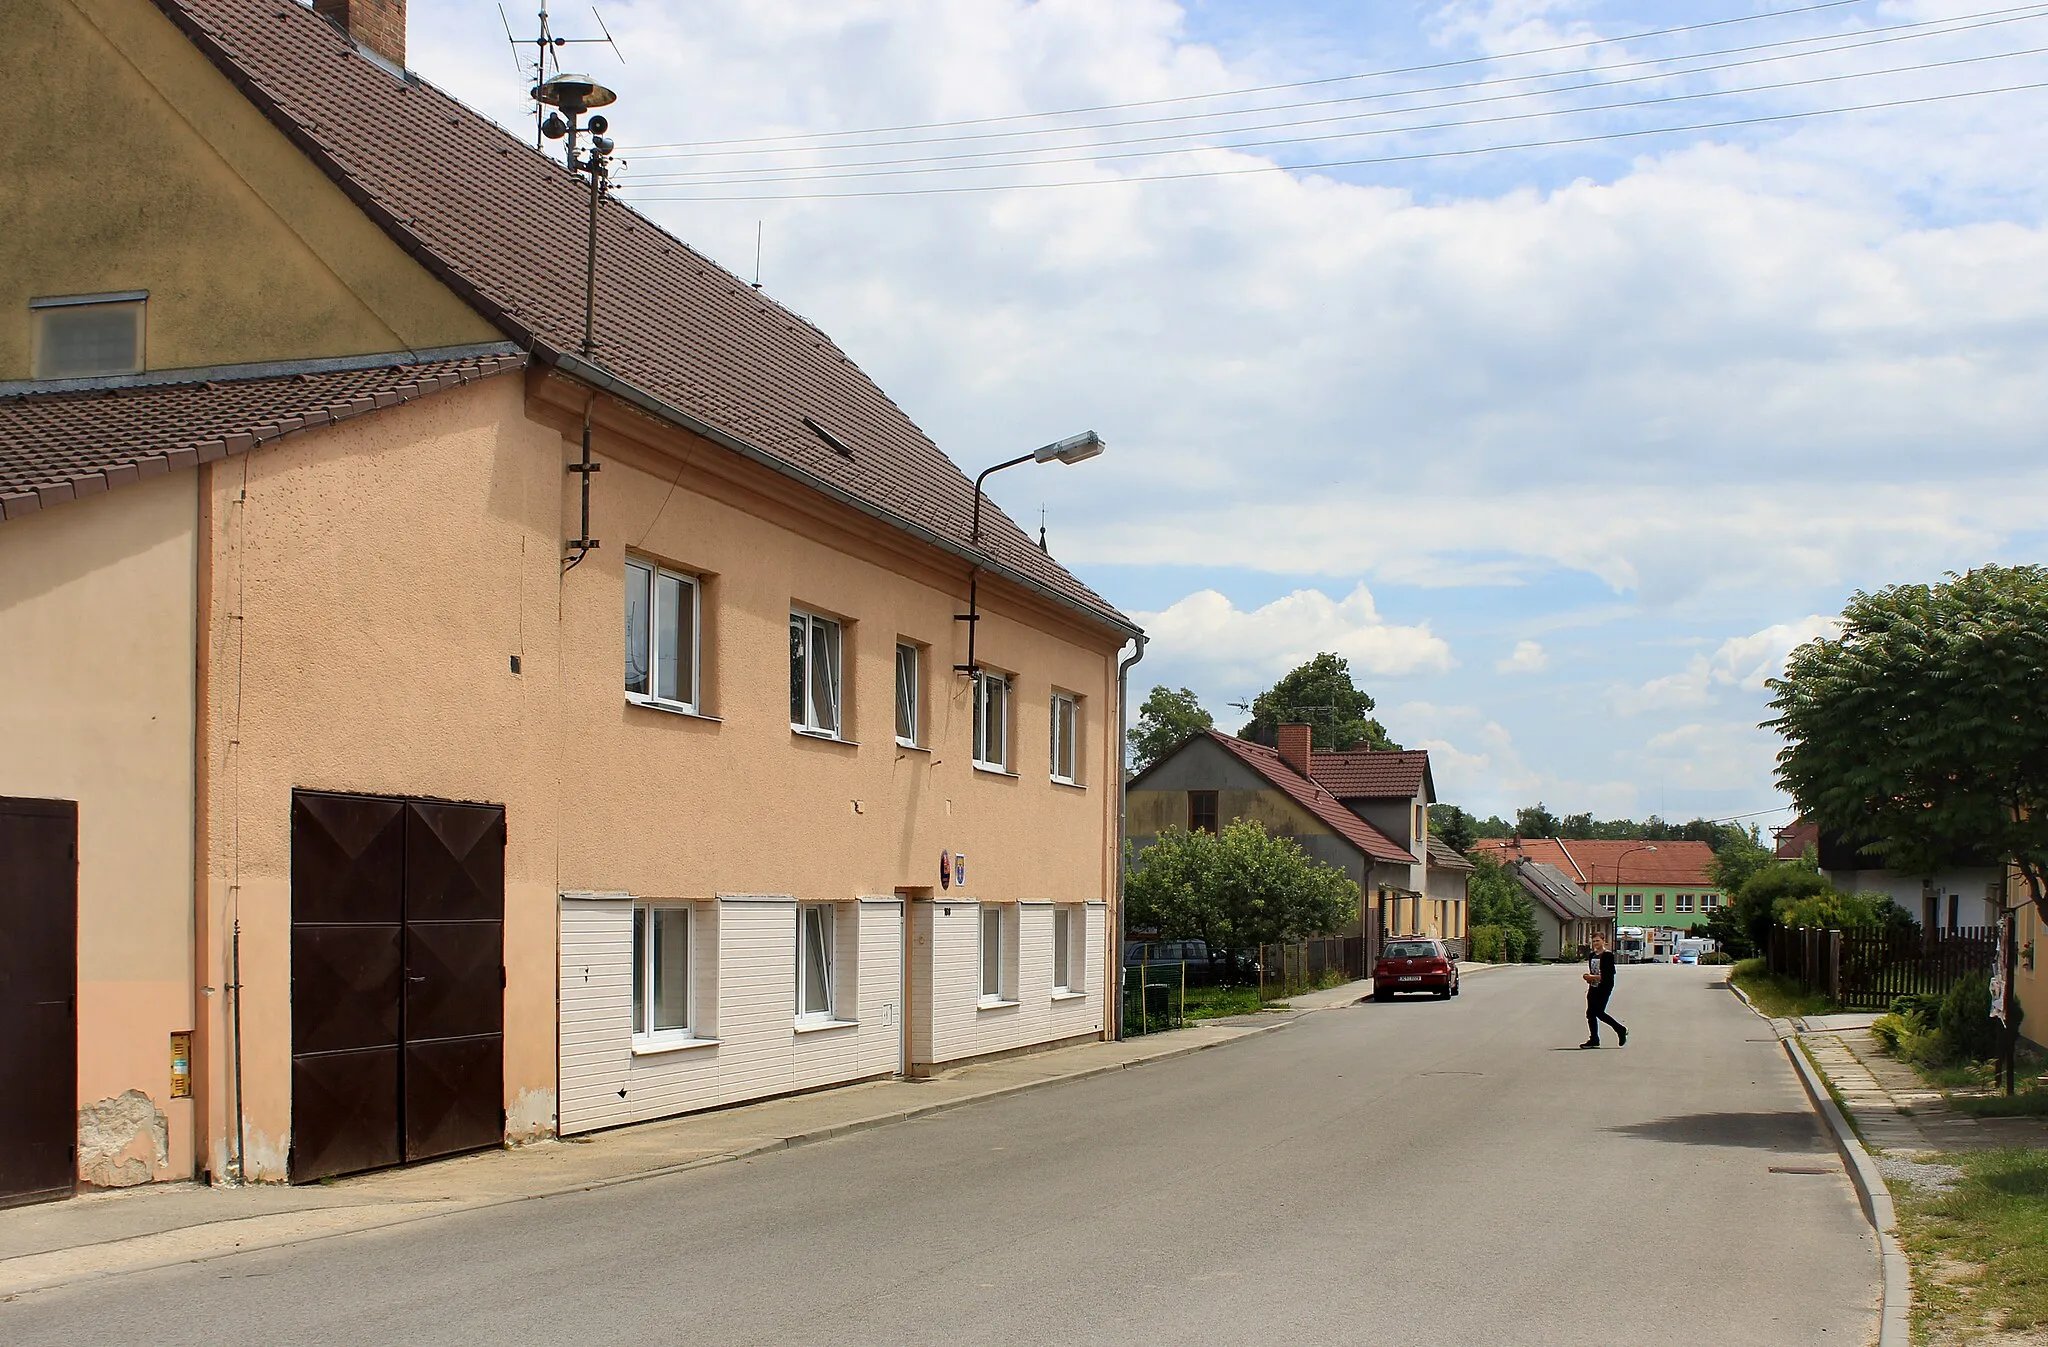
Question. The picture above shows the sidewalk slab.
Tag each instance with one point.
(108, 1233)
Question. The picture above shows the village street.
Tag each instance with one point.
(1422, 1172)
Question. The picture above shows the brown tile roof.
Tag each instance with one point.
(1325, 806)
(1673, 864)
(1368, 775)
(1443, 856)
(56, 447)
(503, 224)
(1794, 838)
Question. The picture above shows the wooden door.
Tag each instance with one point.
(38, 1000)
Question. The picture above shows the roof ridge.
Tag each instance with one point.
(680, 328)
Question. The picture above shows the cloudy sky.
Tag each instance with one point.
(1562, 363)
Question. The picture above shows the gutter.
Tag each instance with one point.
(1123, 786)
(599, 377)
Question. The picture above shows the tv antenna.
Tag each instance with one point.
(547, 56)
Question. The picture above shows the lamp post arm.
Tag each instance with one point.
(974, 530)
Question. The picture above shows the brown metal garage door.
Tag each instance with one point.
(38, 1000)
(398, 910)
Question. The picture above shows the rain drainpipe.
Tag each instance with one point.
(1123, 780)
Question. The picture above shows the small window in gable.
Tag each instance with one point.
(80, 336)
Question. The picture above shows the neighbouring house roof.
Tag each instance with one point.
(1306, 793)
(59, 446)
(1444, 856)
(1673, 864)
(1372, 775)
(1555, 889)
(503, 224)
(1794, 838)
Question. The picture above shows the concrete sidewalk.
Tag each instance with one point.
(106, 1233)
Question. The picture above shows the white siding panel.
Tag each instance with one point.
(597, 1013)
(946, 973)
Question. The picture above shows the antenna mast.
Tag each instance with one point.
(547, 51)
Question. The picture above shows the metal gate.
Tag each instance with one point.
(398, 1007)
(38, 1000)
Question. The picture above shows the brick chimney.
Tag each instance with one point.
(1294, 746)
(377, 24)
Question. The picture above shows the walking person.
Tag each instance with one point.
(1599, 979)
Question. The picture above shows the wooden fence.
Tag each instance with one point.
(1863, 970)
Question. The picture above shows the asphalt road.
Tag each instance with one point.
(1416, 1173)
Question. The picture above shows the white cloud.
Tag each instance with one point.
(1528, 657)
(1478, 766)
(1742, 662)
(1207, 629)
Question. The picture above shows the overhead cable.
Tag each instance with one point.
(1901, 32)
(828, 174)
(1418, 156)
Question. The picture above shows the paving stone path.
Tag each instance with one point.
(1896, 1112)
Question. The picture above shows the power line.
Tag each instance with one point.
(824, 172)
(1271, 88)
(1418, 156)
(1961, 23)
(836, 174)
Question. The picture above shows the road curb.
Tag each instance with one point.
(766, 1146)
(1895, 1312)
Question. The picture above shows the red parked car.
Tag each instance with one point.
(1414, 964)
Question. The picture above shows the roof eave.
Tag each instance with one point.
(599, 377)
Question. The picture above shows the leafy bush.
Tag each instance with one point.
(1890, 1030)
(1485, 945)
(1833, 910)
(1917, 1003)
(1965, 1019)
(1718, 956)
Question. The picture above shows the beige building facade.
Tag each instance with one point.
(702, 813)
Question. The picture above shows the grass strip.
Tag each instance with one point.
(1980, 1251)
(1778, 997)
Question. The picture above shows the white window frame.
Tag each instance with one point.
(1709, 901)
(646, 1034)
(1069, 964)
(648, 575)
(1632, 902)
(1070, 705)
(993, 914)
(1607, 902)
(909, 692)
(992, 713)
(1682, 903)
(802, 675)
(1657, 902)
(131, 304)
(806, 956)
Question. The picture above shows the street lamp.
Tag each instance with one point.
(1626, 853)
(1073, 449)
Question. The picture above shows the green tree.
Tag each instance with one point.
(1166, 718)
(1576, 826)
(1493, 899)
(1737, 859)
(1236, 889)
(1319, 694)
(1742, 924)
(1922, 729)
(1453, 827)
(1536, 821)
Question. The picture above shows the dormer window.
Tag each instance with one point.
(81, 336)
